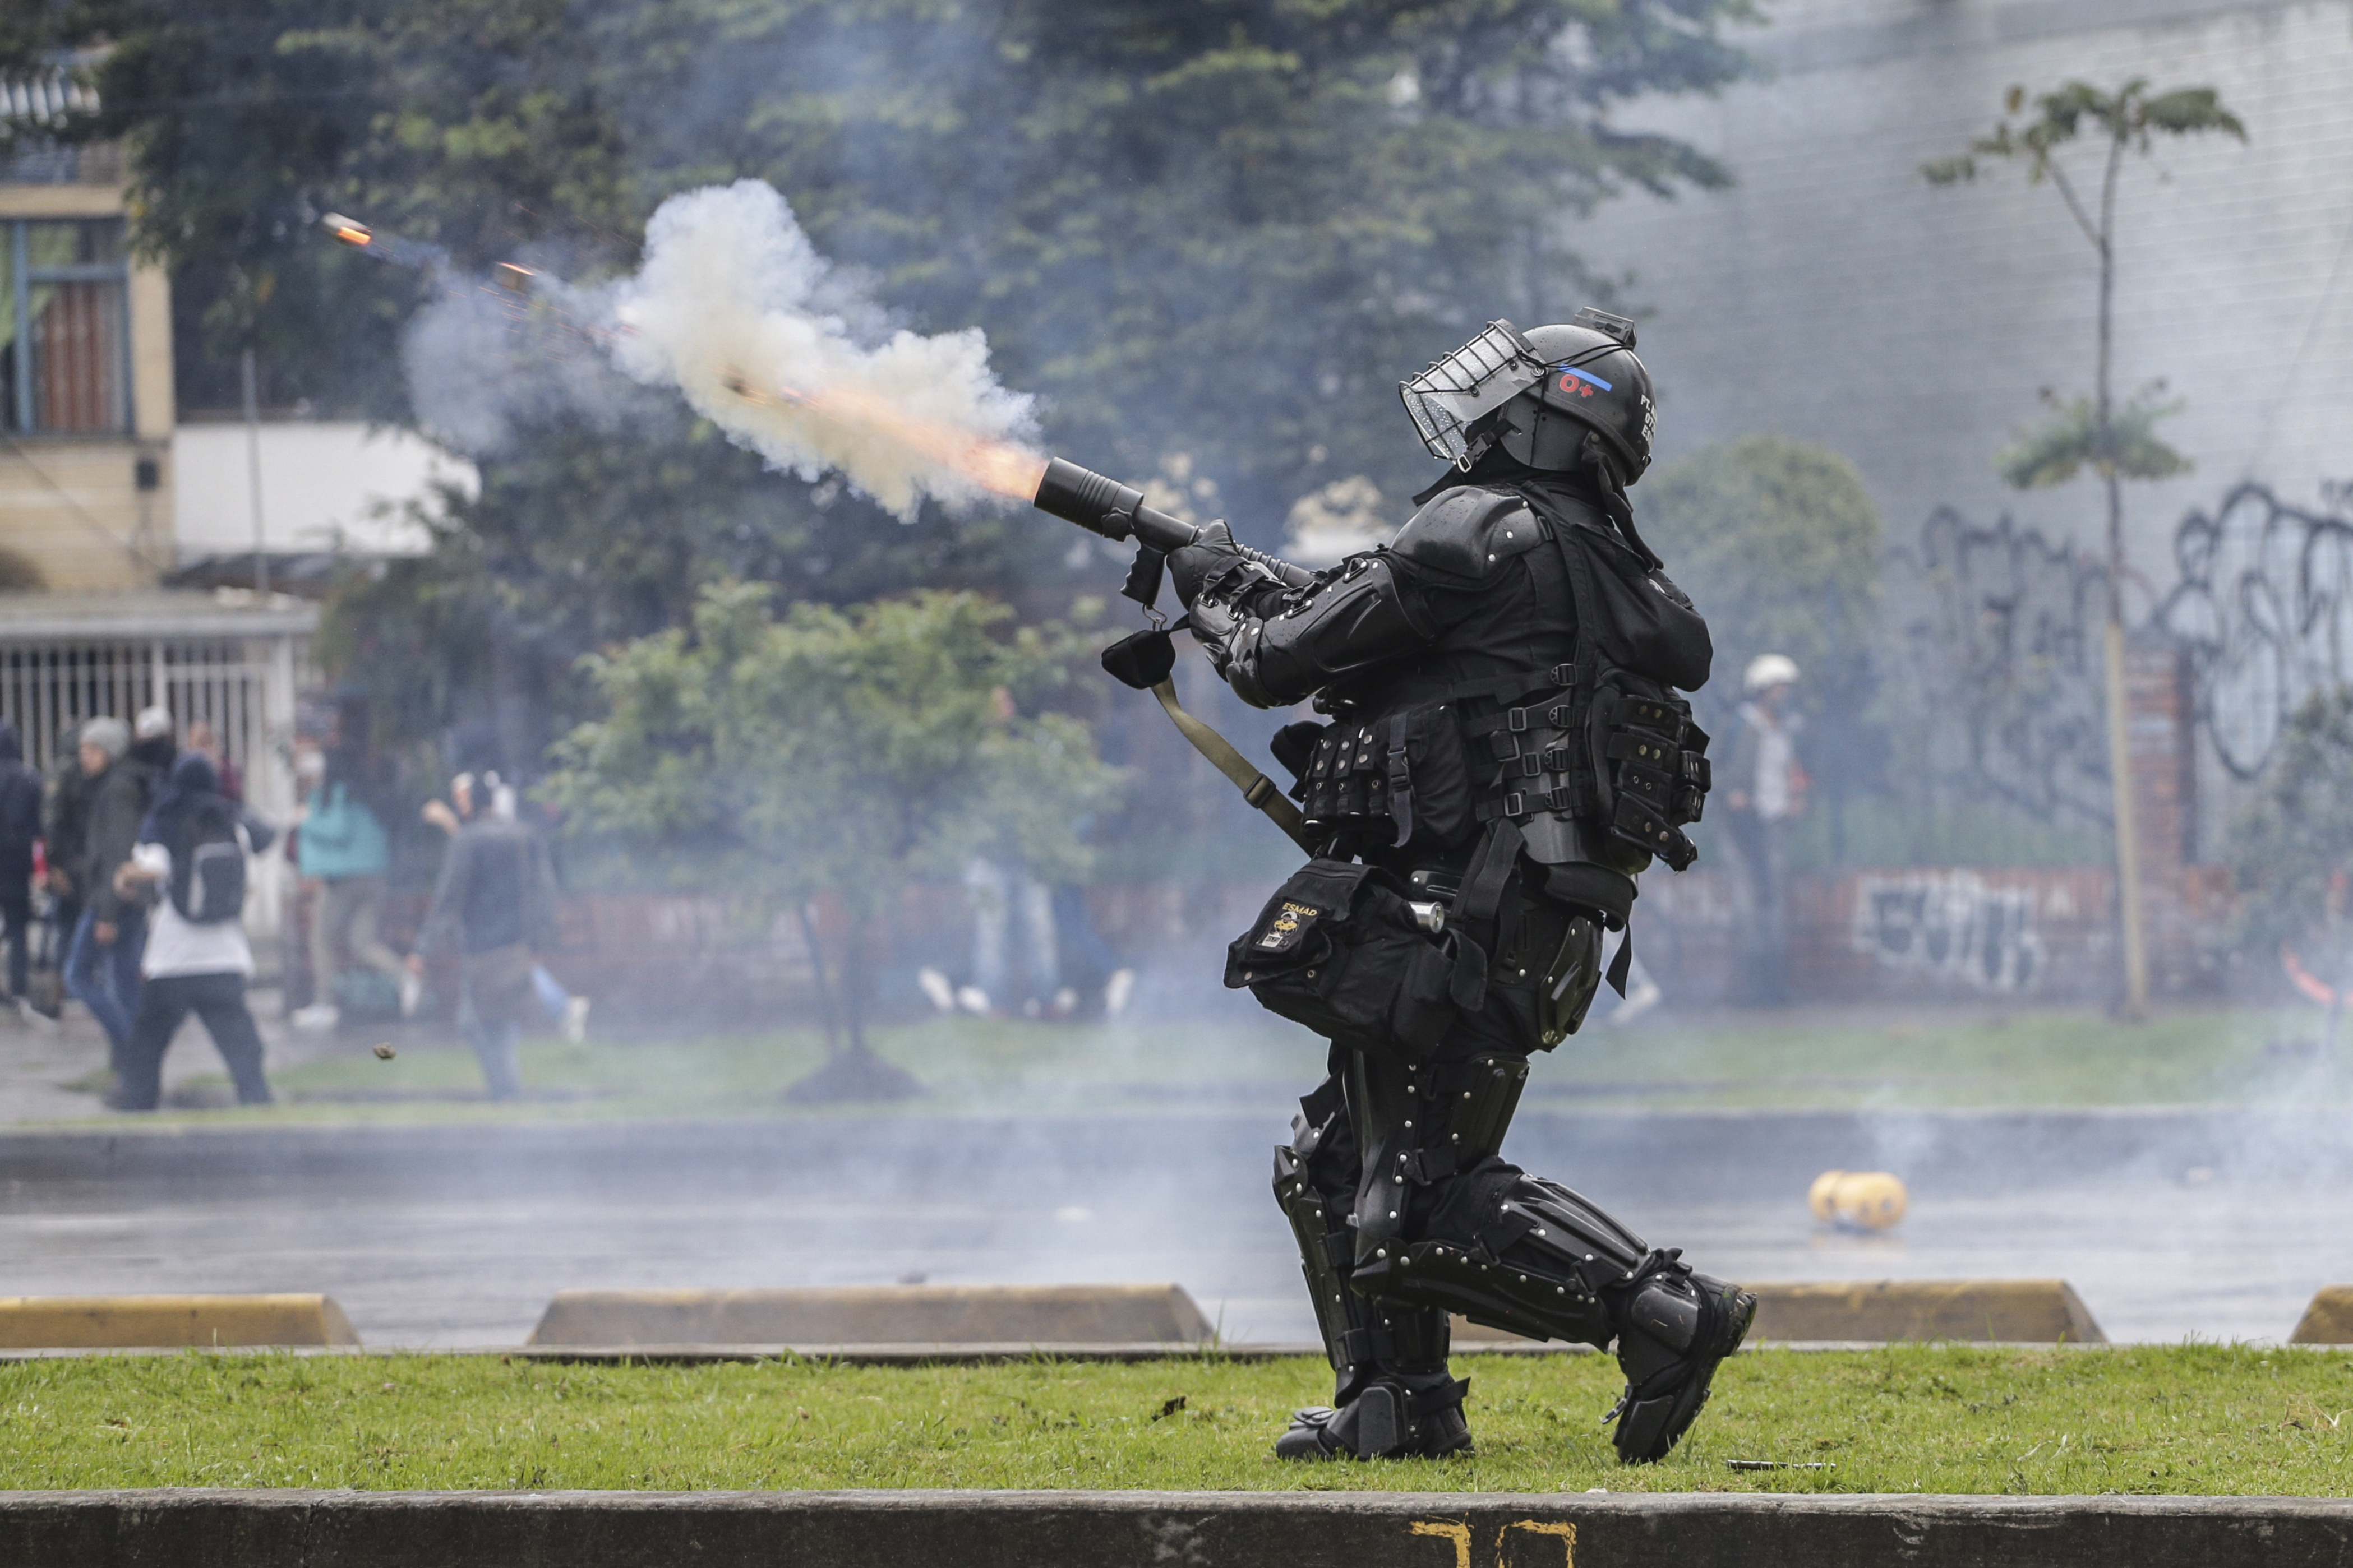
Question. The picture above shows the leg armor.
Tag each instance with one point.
(1391, 1392)
(1442, 1221)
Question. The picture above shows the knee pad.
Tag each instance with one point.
(1360, 1335)
(1515, 1252)
(1436, 1121)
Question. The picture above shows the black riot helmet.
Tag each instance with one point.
(1549, 398)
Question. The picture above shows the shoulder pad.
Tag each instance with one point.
(1465, 531)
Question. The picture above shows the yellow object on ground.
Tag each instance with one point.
(2329, 1320)
(117, 1323)
(877, 1314)
(1859, 1200)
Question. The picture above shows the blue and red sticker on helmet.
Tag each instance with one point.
(1578, 383)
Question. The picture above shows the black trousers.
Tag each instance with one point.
(17, 909)
(165, 1002)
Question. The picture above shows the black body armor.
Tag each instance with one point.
(1505, 747)
(1509, 659)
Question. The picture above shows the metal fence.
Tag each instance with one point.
(244, 686)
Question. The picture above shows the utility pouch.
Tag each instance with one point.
(1406, 769)
(1340, 949)
(1649, 765)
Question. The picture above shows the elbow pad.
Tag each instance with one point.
(1345, 625)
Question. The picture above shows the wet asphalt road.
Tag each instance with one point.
(2170, 1224)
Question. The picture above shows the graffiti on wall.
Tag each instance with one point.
(1951, 924)
(2006, 648)
(2265, 605)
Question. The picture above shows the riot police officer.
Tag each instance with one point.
(1505, 749)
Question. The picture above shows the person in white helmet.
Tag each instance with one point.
(1765, 790)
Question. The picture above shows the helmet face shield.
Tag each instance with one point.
(1476, 379)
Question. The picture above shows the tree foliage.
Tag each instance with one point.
(2292, 851)
(2115, 442)
(2129, 117)
(834, 751)
(1778, 545)
(2072, 442)
(1220, 228)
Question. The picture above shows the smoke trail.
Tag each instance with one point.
(730, 308)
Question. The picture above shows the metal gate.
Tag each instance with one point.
(55, 677)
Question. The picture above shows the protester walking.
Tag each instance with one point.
(20, 825)
(65, 839)
(344, 854)
(1766, 790)
(102, 965)
(191, 858)
(494, 904)
(567, 1012)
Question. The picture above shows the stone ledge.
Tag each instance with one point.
(147, 1323)
(1130, 1529)
(875, 1314)
(934, 1354)
(2329, 1320)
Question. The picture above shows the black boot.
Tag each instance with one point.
(1674, 1328)
(1391, 1418)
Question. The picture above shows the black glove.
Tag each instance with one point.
(1202, 562)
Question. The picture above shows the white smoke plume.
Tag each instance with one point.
(735, 309)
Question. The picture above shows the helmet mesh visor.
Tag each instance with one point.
(1483, 374)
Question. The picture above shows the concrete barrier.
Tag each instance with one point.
(2009, 1311)
(934, 1315)
(1130, 1529)
(113, 1323)
(2329, 1320)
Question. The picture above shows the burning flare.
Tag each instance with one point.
(736, 310)
(1001, 468)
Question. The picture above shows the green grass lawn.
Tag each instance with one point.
(1879, 1057)
(2183, 1419)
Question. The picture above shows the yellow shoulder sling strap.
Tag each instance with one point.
(1256, 787)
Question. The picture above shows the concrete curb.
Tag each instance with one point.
(989, 1354)
(144, 1322)
(1131, 1530)
(2329, 1320)
(876, 1314)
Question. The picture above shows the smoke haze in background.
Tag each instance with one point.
(731, 294)
(736, 311)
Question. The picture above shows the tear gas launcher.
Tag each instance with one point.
(1101, 504)
(1148, 660)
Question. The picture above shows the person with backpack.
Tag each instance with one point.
(124, 765)
(191, 858)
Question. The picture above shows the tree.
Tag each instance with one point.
(834, 753)
(1220, 229)
(2117, 444)
(2292, 852)
(1778, 543)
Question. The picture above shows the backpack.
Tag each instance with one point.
(208, 864)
